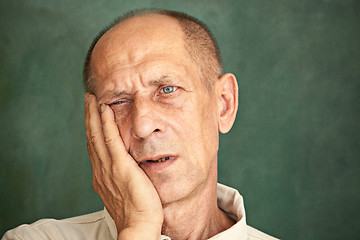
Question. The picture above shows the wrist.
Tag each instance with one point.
(148, 231)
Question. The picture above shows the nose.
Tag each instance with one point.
(146, 119)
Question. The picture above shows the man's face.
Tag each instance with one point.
(166, 118)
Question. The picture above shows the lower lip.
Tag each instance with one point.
(157, 166)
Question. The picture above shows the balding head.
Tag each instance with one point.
(197, 40)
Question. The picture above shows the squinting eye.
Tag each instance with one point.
(169, 89)
(117, 103)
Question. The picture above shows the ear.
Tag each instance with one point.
(227, 92)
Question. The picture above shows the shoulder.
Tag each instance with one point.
(254, 234)
(88, 226)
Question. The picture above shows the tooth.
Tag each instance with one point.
(159, 160)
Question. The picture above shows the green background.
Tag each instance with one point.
(293, 152)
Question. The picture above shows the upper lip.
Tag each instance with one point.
(154, 158)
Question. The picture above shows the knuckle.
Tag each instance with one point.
(93, 138)
(103, 172)
(109, 140)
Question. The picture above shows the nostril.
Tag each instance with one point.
(157, 130)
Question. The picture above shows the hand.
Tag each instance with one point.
(126, 191)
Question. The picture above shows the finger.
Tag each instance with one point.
(101, 178)
(90, 148)
(95, 162)
(113, 140)
(96, 134)
(98, 178)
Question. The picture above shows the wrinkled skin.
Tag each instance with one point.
(149, 103)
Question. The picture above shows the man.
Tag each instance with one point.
(155, 103)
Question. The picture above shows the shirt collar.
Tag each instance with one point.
(231, 202)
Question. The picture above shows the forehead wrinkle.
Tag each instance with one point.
(117, 88)
(112, 94)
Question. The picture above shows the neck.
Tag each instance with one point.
(197, 216)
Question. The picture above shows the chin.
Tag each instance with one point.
(173, 191)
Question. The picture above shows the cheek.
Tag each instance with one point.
(208, 136)
(198, 128)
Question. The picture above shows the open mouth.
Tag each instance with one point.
(156, 161)
(159, 160)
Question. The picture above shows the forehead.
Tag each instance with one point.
(137, 40)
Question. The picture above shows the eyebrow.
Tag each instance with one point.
(111, 94)
(162, 80)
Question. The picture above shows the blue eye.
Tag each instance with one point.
(169, 89)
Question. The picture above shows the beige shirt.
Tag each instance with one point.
(100, 225)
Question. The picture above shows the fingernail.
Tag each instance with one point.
(102, 108)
